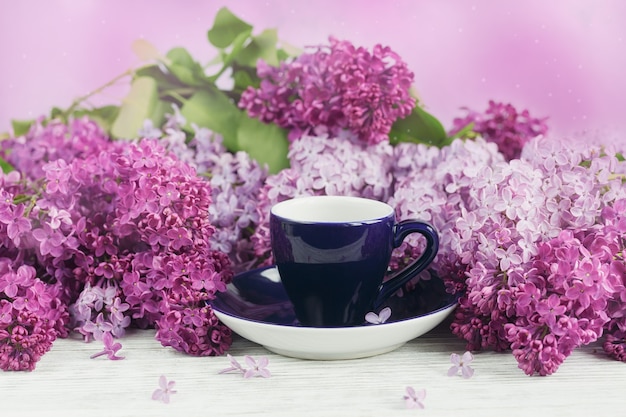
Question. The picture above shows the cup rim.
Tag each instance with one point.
(372, 210)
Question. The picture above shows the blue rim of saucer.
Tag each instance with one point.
(259, 296)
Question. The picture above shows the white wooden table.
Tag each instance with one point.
(67, 383)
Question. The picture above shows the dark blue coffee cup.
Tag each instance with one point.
(332, 254)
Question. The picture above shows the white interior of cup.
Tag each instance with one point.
(331, 209)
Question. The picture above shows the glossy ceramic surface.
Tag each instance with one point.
(256, 307)
(333, 251)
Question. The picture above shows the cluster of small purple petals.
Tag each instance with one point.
(120, 230)
(615, 345)
(610, 242)
(562, 303)
(504, 125)
(189, 325)
(434, 185)
(503, 228)
(99, 310)
(51, 141)
(320, 165)
(30, 314)
(332, 88)
(235, 180)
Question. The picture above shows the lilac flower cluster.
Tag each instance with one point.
(524, 241)
(507, 229)
(56, 140)
(31, 315)
(235, 179)
(331, 88)
(611, 238)
(322, 165)
(503, 124)
(123, 233)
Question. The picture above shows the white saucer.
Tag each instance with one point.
(256, 307)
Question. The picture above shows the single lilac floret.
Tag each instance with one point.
(255, 368)
(414, 399)
(110, 348)
(461, 363)
(234, 366)
(379, 318)
(164, 391)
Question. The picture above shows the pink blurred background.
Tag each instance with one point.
(565, 59)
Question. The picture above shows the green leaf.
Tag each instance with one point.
(165, 81)
(262, 47)
(419, 127)
(230, 57)
(244, 78)
(214, 110)
(226, 27)
(136, 107)
(6, 167)
(21, 127)
(56, 113)
(183, 66)
(267, 143)
(160, 110)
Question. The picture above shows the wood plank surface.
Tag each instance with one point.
(68, 383)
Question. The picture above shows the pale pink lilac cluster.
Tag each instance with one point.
(504, 125)
(322, 165)
(523, 241)
(334, 87)
(235, 180)
(123, 232)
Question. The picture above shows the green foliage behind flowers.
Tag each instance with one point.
(208, 94)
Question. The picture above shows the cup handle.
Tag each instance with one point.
(401, 231)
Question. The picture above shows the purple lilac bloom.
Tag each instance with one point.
(53, 141)
(123, 231)
(235, 180)
(30, 314)
(502, 124)
(519, 240)
(332, 88)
